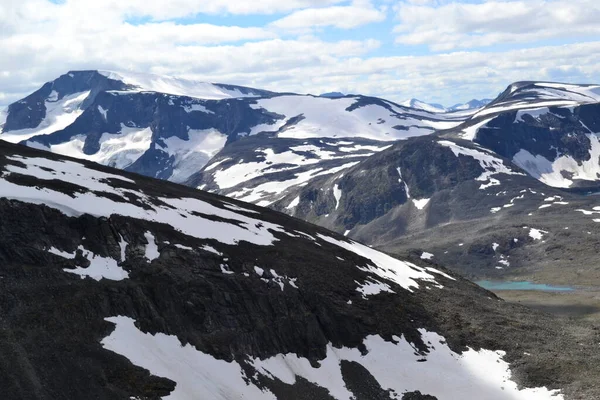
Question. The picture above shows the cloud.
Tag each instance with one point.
(40, 40)
(446, 26)
(344, 17)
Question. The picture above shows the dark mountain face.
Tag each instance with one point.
(118, 286)
(422, 182)
(548, 129)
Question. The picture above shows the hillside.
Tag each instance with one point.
(149, 289)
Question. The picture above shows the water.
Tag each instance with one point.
(522, 285)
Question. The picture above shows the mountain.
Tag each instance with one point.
(462, 196)
(332, 95)
(119, 286)
(475, 211)
(471, 105)
(548, 129)
(421, 105)
(438, 108)
(452, 184)
(170, 128)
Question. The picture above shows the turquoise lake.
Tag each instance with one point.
(522, 285)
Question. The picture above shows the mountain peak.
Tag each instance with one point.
(421, 105)
(332, 95)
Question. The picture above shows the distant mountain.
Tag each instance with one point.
(471, 105)
(117, 286)
(421, 105)
(333, 95)
(476, 196)
(438, 108)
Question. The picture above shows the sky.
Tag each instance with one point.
(441, 51)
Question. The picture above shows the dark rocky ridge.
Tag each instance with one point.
(53, 322)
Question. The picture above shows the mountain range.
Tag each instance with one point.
(119, 281)
(438, 108)
(119, 286)
(467, 186)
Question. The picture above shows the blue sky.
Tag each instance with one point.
(444, 51)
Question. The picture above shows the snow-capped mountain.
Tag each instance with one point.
(170, 128)
(154, 290)
(438, 108)
(421, 105)
(548, 129)
(470, 105)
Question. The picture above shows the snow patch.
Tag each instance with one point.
(337, 194)
(152, 252)
(294, 203)
(536, 234)
(402, 273)
(490, 164)
(59, 115)
(99, 268)
(103, 112)
(550, 172)
(117, 150)
(420, 204)
(189, 156)
(211, 249)
(396, 366)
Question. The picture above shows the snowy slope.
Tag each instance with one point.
(265, 170)
(441, 373)
(179, 87)
(58, 115)
(421, 105)
(349, 117)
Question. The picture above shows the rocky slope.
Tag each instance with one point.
(465, 195)
(476, 212)
(117, 286)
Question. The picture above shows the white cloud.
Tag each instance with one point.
(40, 41)
(454, 25)
(345, 17)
